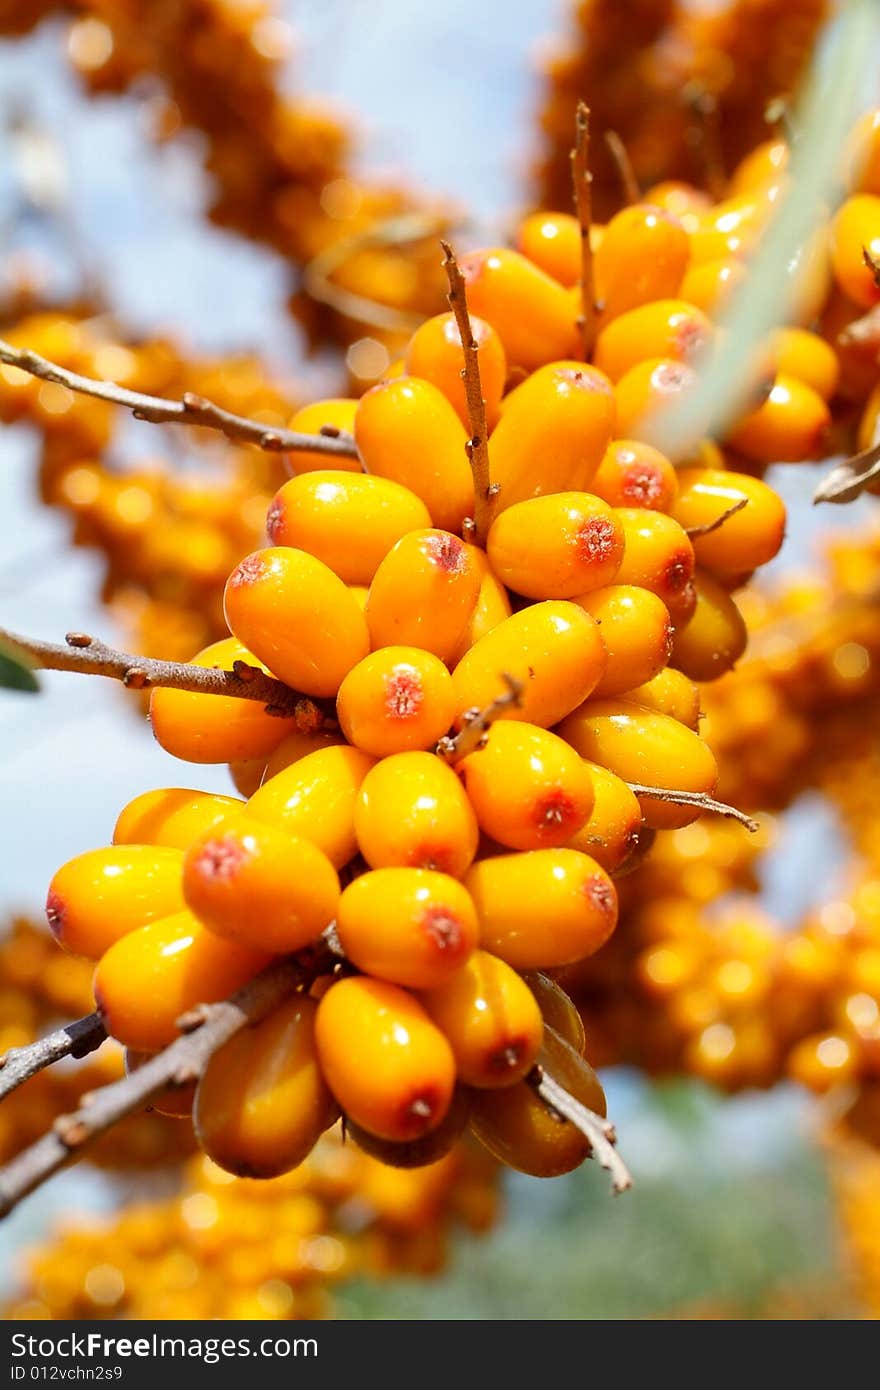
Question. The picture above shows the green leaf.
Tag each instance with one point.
(15, 669)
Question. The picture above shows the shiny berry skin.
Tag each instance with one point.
(298, 617)
(172, 816)
(339, 413)
(315, 799)
(149, 978)
(412, 927)
(667, 328)
(260, 887)
(407, 430)
(396, 700)
(683, 200)
(557, 1009)
(491, 1020)
(424, 593)
(417, 1153)
(862, 157)
(710, 285)
(389, 1067)
(641, 258)
(100, 896)
(262, 1103)
(528, 788)
(669, 692)
(295, 746)
(543, 907)
(762, 165)
(658, 556)
(610, 835)
(556, 547)
(434, 353)
(790, 426)
(637, 632)
(554, 648)
(714, 636)
(216, 728)
(552, 241)
(855, 229)
(350, 521)
(804, 355)
(530, 311)
(646, 391)
(491, 608)
(635, 475)
(749, 538)
(412, 811)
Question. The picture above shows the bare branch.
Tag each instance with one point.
(582, 181)
(699, 799)
(694, 532)
(479, 721)
(478, 444)
(628, 182)
(73, 1040)
(599, 1131)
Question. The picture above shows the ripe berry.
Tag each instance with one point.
(424, 593)
(413, 927)
(645, 392)
(762, 165)
(530, 312)
(636, 475)
(412, 811)
(434, 353)
(315, 799)
(295, 746)
(172, 816)
(395, 700)
(658, 556)
(669, 692)
(862, 158)
(636, 630)
(746, 539)
(552, 241)
(491, 1020)
(710, 285)
(611, 833)
(558, 546)
(642, 257)
(855, 229)
(102, 895)
(790, 426)
(557, 1009)
(714, 637)
(417, 1153)
(339, 414)
(529, 789)
(804, 355)
(491, 608)
(667, 328)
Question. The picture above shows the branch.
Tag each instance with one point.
(189, 410)
(705, 137)
(479, 721)
(700, 799)
(89, 656)
(478, 444)
(73, 1040)
(848, 480)
(625, 172)
(599, 1131)
(582, 180)
(694, 532)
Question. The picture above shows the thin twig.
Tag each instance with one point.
(89, 656)
(873, 265)
(694, 532)
(73, 1040)
(629, 184)
(189, 410)
(582, 181)
(479, 721)
(598, 1131)
(478, 444)
(700, 799)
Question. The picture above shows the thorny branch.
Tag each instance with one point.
(582, 181)
(478, 444)
(479, 721)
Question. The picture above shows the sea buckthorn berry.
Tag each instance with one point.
(395, 700)
(552, 241)
(172, 816)
(216, 728)
(823, 1060)
(417, 1153)
(642, 257)
(491, 1020)
(762, 165)
(710, 285)
(350, 521)
(149, 978)
(406, 430)
(434, 353)
(747, 538)
(799, 353)
(338, 413)
(528, 788)
(102, 895)
(296, 745)
(543, 907)
(298, 617)
(260, 886)
(790, 426)
(262, 1103)
(637, 631)
(517, 1127)
(315, 798)
(247, 775)
(555, 650)
(855, 229)
(424, 593)
(175, 1101)
(862, 158)
(388, 1065)
(644, 394)
(556, 547)
(557, 1009)
(650, 749)
(869, 424)
(491, 608)
(658, 556)
(714, 637)
(553, 432)
(611, 834)
(669, 692)
(682, 199)
(732, 227)
(413, 811)
(635, 475)
(413, 927)
(667, 328)
(530, 311)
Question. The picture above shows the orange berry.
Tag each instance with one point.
(406, 430)
(262, 1103)
(869, 424)
(260, 887)
(350, 521)
(492, 606)
(642, 257)
(790, 426)
(862, 157)
(552, 241)
(611, 834)
(298, 617)
(413, 927)
(412, 811)
(747, 539)
(517, 1127)
(646, 748)
(247, 775)
(295, 746)
(216, 728)
(172, 816)
(823, 1060)
(658, 556)
(557, 1009)
(556, 547)
(395, 700)
(714, 637)
(417, 1153)
(804, 355)
(682, 199)
(530, 312)
(339, 414)
(491, 1020)
(388, 1065)
(101, 895)
(636, 475)
(667, 328)
(434, 353)
(710, 285)
(855, 229)
(732, 227)
(637, 633)
(315, 798)
(528, 788)
(543, 907)
(554, 649)
(669, 692)
(762, 165)
(424, 593)
(646, 391)
(552, 434)
(149, 978)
